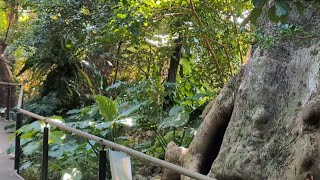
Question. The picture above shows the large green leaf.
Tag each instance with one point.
(143, 147)
(104, 125)
(26, 165)
(258, 3)
(129, 121)
(31, 148)
(35, 126)
(132, 109)
(107, 108)
(282, 8)
(74, 111)
(115, 86)
(174, 110)
(177, 120)
(28, 135)
(273, 16)
(56, 137)
(254, 15)
(56, 151)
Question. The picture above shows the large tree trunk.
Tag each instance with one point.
(266, 123)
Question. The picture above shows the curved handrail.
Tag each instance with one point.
(20, 100)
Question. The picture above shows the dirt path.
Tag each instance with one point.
(6, 164)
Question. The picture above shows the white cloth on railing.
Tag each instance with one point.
(120, 164)
(3, 110)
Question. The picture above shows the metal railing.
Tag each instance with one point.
(8, 100)
(103, 142)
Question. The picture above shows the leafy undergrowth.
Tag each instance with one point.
(142, 125)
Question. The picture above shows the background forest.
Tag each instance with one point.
(138, 72)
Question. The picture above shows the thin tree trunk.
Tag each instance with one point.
(174, 61)
(117, 64)
(172, 73)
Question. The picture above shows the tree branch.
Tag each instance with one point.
(207, 43)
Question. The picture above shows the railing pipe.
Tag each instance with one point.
(8, 102)
(129, 151)
(17, 143)
(102, 164)
(45, 154)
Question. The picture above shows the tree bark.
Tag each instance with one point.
(174, 61)
(172, 73)
(5, 76)
(266, 123)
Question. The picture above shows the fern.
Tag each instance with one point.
(107, 108)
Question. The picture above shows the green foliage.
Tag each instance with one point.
(282, 8)
(46, 106)
(57, 43)
(265, 41)
(3, 22)
(176, 118)
(69, 156)
(67, 34)
(108, 109)
(102, 119)
(144, 100)
(282, 32)
(278, 12)
(122, 50)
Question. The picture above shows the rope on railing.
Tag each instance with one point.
(105, 142)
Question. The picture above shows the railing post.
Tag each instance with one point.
(8, 102)
(102, 164)
(17, 143)
(45, 151)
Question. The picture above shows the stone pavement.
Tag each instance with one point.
(6, 164)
